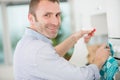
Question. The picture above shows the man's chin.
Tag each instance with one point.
(53, 36)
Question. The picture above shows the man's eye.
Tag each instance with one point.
(58, 15)
(47, 15)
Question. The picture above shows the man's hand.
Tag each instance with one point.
(88, 37)
(88, 33)
(101, 56)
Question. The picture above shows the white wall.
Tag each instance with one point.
(113, 14)
(84, 9)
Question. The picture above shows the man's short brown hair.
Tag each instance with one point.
(34, 3)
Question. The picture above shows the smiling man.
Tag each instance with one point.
(36, 59)
(45, 19)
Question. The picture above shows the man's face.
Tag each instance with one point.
(47, 18)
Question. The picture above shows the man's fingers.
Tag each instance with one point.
(92, 32)
(85, 31)
(104, 45)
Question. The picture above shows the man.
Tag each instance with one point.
(36, 59)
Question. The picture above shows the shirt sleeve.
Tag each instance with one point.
(51, 66)
(95, 72)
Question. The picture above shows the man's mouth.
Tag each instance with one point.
(53, 29)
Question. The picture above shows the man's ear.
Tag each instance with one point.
(31, 18)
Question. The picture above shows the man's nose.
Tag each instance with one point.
(55, 21)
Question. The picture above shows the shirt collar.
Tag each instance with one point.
(37, 35)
